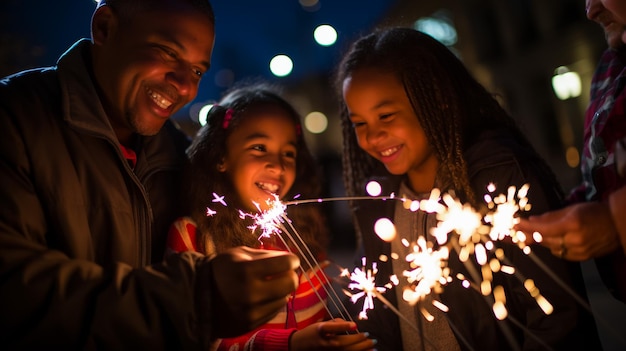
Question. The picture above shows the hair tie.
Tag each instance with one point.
(298, 129)
(227, 117)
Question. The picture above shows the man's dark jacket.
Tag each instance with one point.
(79, 228)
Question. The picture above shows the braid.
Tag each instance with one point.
(443, 125)
(452, 107)
(358, 165)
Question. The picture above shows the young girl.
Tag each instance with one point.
(251, 151)
(414, 119)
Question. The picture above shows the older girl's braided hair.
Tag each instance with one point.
(453, 108)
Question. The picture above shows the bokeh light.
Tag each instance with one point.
(373, 188)
(316, 122)
(203, 114)
(325, 35)
(281, 65)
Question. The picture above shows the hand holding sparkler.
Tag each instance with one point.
(249, 287)
(578, 232)
(336, 334)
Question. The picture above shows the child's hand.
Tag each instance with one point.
(337, 334)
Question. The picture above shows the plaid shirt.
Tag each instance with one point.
(605, 124)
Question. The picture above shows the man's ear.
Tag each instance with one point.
(103, 23)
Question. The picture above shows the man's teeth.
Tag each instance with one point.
(159, 99)
(389, 151)
(272, 188)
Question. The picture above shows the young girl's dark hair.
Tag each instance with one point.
(225, 228)
(452, 107)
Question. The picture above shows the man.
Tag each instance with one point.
(89, 169)
(594, 226)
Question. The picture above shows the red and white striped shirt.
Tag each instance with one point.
(307, 305)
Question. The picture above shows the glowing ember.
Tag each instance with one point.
(385, 229)
(220, 199)
(430, 273)
(459, 218)
(504, 218)
(268, 221)
(363, 280)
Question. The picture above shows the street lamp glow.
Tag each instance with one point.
(566, 83)
(281, 65)
(325, 35)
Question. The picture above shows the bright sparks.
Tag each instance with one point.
(270, 220)
(469, 232)
(430, 273)
(363, 281)
(460, 228)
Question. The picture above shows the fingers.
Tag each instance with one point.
(340, 333)
(336, 326)
(554, 243)
(561, 249)
(336, 334)
(583, 231)
(548, 224)
(353, 342)
(551, 228)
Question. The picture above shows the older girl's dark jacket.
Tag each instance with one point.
(79, 228)
(496, 159)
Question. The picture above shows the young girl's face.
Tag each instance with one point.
(261, 156)
(387, 128)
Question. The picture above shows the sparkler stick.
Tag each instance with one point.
(380, 297)
(585, 304)
(272, 222)
(322, 281)
(345, 198)
(308, 257)
(531, 289)
(489, 298)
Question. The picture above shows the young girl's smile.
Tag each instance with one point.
(387, 128)
(261, 156)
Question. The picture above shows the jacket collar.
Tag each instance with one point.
(82, 107)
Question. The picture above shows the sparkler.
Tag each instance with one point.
(460, 228)
(274, 221)
(430, 273)
(471, 235)
(363, 280)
